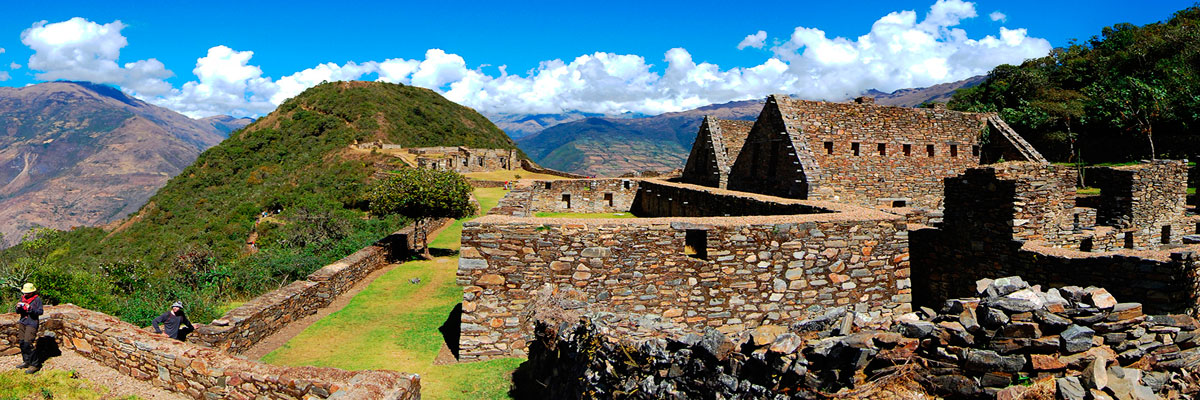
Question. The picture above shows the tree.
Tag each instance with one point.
(32, 254)
(422, 194)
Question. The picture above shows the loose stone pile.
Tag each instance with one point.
(1074, 343)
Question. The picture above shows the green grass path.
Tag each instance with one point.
(393, 324)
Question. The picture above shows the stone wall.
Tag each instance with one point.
(1163, 281)
(857, 153)
(733, 272)
(465, 159)
(582, 196)
(1143, 196)
(201, 372)
(663, 199)
(1068, 342)
(531, 167)
(1016, 200)
(242, 327)
(716, 147)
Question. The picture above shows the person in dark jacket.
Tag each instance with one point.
(29, 308)
(172, 321)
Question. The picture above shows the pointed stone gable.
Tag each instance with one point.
(858, 152)
(716, 147)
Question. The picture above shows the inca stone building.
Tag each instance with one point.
(858, 153)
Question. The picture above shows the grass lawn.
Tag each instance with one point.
(393, 324)
(506, 175)
(51, 384)
(582, 215)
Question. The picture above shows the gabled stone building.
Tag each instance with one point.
(859, 153)
(465, 159)
(716, 147)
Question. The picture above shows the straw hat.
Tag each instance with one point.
(28, 288)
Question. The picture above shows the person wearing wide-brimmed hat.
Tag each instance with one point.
(172, 321)
(30, 310)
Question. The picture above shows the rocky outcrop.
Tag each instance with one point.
(1070, 342)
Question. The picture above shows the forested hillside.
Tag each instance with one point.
(1131, 93)
(189, 241)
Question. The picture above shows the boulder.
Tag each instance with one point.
(1070, 388)
(1076, 338)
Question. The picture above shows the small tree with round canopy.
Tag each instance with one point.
(422, 194)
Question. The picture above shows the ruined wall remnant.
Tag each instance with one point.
(716, 147)
(201, 372)
(465, 159)
(243, 327)
(1145, 195)
(1019, 219)
(858, 153)
(717, 271)
(655, 199)
(580, 196)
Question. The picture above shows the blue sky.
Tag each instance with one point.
(616, 56)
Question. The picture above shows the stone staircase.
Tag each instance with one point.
(1023, 147)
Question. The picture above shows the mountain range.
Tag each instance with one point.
(76, 153)
(615, 145)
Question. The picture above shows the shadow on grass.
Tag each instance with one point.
(436, 252)
(451, 329)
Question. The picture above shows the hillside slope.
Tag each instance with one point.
(75, 153)
(611, 146)
(190, 240)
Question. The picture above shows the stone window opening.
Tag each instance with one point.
(929, 150)
(854, 148)
(608, 197)
(975, 151)
(547, 185)
(1085, 244)
(954, 150)
(908, 150)
(627, 184)
(882, 149)
(899, 204)
(566, 198)
(1166, 234)
(480, 161)
(1129, 240)
(1198, 228)
(828, 147)
(695, 243)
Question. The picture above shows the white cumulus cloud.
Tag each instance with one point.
(78, 49)
(757, 40)
(14, 66)
(4, 76)
(998, 16)
(898, 50)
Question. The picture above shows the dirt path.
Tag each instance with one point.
(282, 336)
(119, 384)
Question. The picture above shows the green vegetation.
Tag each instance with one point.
(189, 242)
(583, 215)
(422, 194)
(1128, 94)
(394, 324)
(51, 384)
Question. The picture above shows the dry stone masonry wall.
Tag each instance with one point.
(857, 153)
(581, 196)
(465, 159)
(1070, 342)
(202, 372)
(731, 272)
(241, 328)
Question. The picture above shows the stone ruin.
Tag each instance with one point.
(465, 159)
(858, 153)
(877, 211)
(1010, 341)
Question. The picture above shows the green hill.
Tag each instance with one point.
(1103, 99)
(189, 241)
